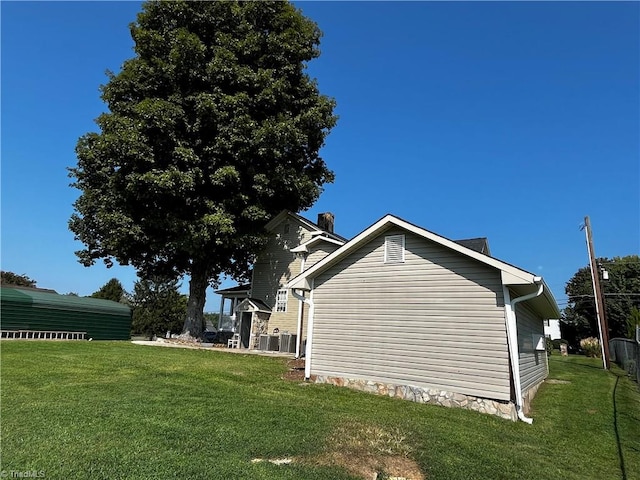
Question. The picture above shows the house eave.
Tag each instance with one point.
(512, 274)
(320, 237)
(545, 304)
(312, 227)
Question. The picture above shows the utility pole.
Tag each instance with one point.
(598, 297)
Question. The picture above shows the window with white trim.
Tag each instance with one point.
(394, 249)
(281, 301)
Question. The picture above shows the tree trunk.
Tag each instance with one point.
(195, 306)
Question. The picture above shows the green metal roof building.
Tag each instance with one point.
(37, 310)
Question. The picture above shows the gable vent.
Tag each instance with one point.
(394, 249)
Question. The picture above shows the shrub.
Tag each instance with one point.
(590, 346)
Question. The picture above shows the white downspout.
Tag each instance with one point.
(512, 340)
(308, 301)
(300, 313)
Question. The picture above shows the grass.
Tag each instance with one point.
(116, 410)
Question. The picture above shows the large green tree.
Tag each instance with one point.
(157, 307)
(621, 293)
(213, 128)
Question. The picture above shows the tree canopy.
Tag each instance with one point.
(621, 293)
(112, 290)
(10, 278)
(213, 128)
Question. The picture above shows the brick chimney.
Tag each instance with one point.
(326, 221)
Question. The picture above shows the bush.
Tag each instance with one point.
(591, 347)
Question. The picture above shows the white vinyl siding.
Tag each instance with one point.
(435, 321)
(274, 267)
(318, 252)
(533, 363)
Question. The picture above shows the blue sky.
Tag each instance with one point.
(510, 120)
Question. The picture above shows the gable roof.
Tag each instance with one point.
(478, 244)
(253, 305)
(314, 228)
(304, 247)
(238, 289)
(511, 275)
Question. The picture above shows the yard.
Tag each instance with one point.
(115, 410)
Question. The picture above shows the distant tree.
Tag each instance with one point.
(10, 278)
(213, 128)
(621, 292)
(71, 294)
(158, 307)
(112, 290)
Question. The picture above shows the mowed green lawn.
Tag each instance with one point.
(116, 410)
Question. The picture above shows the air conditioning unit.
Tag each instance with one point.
(263, 342)
(288, 342)
(274, 343)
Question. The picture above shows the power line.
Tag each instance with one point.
(619, 262)
(607, 295)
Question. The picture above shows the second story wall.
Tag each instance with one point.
(274, 267)
(318, 253)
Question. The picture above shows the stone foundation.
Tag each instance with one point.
(506, 410)
(259, 326)
(528, 396)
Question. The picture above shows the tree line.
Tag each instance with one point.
(621, 300)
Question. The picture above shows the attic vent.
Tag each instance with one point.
(394, 249)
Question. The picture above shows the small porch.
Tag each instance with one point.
(231, 298)
(252, 317)
(243, 324)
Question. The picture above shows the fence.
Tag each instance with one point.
(626, 353)
(41, 335)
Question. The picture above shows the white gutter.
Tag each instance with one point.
(512, 340)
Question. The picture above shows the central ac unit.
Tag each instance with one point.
(288, 342)
(274, 343)
(263, 343)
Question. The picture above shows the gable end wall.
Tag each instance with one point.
(434, 321)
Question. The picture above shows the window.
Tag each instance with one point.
(546, 323)
(287, 228)
(281, 301)
(394, 249)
